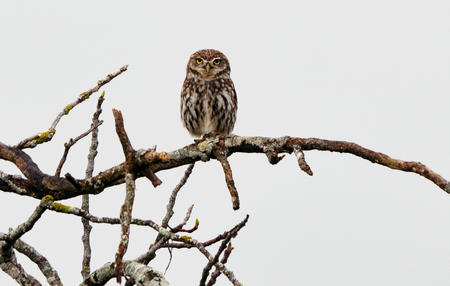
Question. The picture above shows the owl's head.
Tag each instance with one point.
(208, 64)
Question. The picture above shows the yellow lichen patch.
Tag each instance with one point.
(48, 198)
(44, 136)
(67, 108)
(102, 97)
(196, 222)
(85, 95)
(186, 238)
(60, 207)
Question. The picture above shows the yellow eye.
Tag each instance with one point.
(216, 62)
(199, 61)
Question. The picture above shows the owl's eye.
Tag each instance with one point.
(199, 61)
(216, 62)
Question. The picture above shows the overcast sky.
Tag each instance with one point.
(372, 72)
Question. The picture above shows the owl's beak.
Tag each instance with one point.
(208, 67)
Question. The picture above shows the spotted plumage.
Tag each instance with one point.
(208, 98)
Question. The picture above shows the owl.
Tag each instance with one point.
(208, 98)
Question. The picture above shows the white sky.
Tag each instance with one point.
(372, 72)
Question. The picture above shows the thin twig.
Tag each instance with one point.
(72, 142)
(231, 234)
(210, 263)
(172, 199)
(224, 260)
(173, 196)
(46, 136)
(214, 240)
(229, 274)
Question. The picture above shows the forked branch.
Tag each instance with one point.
(38, 184)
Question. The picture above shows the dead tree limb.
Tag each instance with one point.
(138, 271)
(46, 269)
(127, 207)
(46, 136)
(86, 237)
(37, 184)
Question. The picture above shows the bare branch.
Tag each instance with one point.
(125, 221)
(11, 267)
(46, 136)
(273, 157)
(139, 272)
(221, 155)
(86, 237)
(61, 208)
(224, 260)
(72, 142)
(5, 178)
(8, 261)
(173, 196)
(50, 274)
(127, 207)
(15, 234)
(232, 232)
(160, 240)
(229, 274)
(148, 173)
(128, 150)
(301, 160)
(94, 139)
(210, 263)
(39, 184)
(179, 228)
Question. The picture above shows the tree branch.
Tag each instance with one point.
(86, 237)
(11, 267)
(72, 142)
(224, 260)
(139, 272)
(15, 234)
(127, 207)
(39, 184)
(46, 136)
(50, 274)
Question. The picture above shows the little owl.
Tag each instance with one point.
(208, 98)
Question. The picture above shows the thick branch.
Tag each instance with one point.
(139, 272)
(39, 184)
(11, 267)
